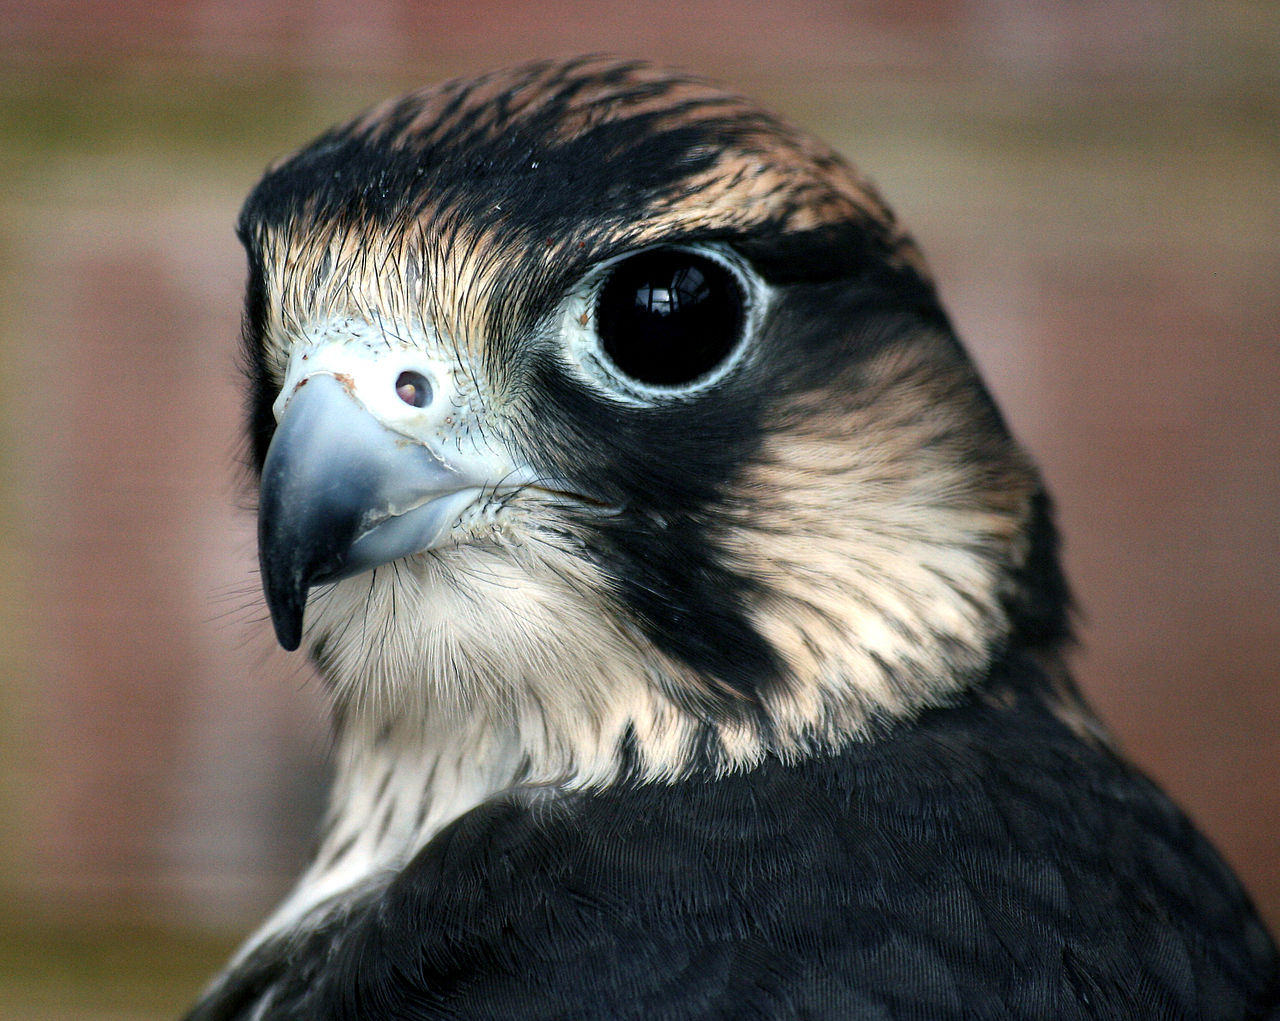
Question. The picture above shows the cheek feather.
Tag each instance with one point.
(879, 558)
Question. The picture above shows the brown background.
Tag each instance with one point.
(1097, 185)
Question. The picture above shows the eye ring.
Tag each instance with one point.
(665, 322)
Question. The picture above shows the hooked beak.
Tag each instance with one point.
(343, 493)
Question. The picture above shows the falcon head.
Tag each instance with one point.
(599, 410)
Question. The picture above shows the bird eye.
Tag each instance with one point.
(668, 317)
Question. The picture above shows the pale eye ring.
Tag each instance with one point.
(664, 323)
(668, 317)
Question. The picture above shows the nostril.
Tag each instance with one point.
(414, 389)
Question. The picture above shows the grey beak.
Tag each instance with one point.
(341, 493)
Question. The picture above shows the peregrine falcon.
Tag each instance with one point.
(693, 625)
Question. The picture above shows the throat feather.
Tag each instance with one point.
(392, 792)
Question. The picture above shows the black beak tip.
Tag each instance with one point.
(286, 603)
(288, 627)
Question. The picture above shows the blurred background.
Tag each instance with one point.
(1097, 184)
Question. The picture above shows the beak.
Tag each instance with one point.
(343, 493)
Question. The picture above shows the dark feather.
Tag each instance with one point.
(978, 862)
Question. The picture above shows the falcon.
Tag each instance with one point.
(693, 625)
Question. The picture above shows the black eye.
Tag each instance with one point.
(667, 317)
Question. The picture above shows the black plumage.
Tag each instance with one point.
(739, 696)
(978, 862)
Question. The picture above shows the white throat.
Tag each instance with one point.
(392, 792)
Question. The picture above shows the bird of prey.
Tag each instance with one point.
(693, 624)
